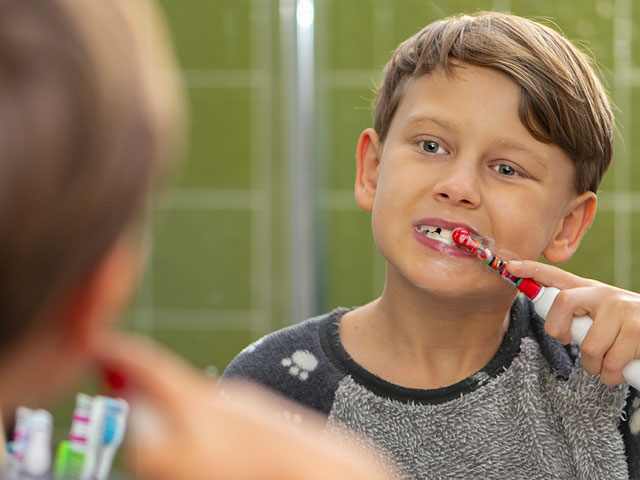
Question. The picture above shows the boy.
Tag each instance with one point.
(498, 124)
(87, 124)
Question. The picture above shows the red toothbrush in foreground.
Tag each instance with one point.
(541, 296)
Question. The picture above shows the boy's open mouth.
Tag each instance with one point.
(436, 233)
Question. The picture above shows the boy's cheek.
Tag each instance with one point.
(522, 237)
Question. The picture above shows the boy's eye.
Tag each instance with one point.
(503, 169)
(432, 147)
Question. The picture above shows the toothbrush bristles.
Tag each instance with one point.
(463, 238)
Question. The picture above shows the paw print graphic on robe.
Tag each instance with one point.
(300, 364)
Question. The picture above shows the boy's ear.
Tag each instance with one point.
(367, 168)
(92, 306)
(69, 330)
(570, 229)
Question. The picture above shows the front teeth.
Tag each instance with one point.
(436, 233)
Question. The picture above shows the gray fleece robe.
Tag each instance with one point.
(531, 413)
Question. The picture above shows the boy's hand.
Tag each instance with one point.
(613, 340)
(203, 435)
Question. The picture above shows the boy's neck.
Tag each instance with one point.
(417, 340)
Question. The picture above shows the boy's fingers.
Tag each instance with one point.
(618, 357)
(595, 346)
(627, 344)
(546, 274)
(568, 304)
(149, 369)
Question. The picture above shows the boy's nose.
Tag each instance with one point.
(458, 186)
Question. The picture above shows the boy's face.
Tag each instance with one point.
(457, 154)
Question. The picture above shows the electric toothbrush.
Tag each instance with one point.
(542, 297)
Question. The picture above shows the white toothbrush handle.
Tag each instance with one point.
(579, 328)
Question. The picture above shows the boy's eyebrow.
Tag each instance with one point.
(443, 122)
(514, 145)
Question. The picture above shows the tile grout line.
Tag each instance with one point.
(210, 320)
(622, 98)
(224, 78)
(144, 322)
(206, 199)
(324, 138)
(261, 164)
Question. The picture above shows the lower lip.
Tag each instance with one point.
(438, 246)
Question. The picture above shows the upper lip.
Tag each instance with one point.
(447, 225)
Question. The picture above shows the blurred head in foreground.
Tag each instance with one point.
(90, 115)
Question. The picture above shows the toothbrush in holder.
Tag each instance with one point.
(542, 297)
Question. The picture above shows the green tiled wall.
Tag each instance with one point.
(218, 275)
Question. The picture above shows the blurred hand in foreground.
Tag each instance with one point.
(191, 432)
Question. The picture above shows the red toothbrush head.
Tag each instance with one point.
(460, 235)
(463, 238)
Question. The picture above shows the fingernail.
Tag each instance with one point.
(515, 263)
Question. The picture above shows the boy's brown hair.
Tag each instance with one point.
(561, 99)
(89, 111)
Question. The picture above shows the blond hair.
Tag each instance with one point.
(90, 111)
(561, 99)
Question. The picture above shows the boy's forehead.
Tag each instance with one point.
(450, 98)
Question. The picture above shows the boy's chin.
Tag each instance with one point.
(452, 291)
(446, 277)
(458, 281)
(445, 272)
